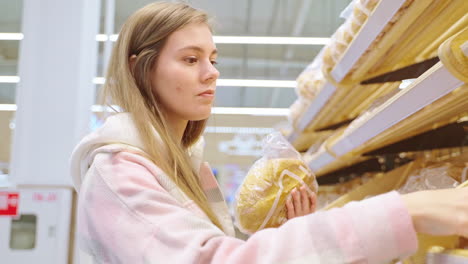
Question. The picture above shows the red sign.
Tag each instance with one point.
(9, 203)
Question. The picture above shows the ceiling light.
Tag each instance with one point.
(256, 83)
(250, 111)
(113, 37)
(9, 79)
(238, 130)
(99, 80)
(16, 79)
(270, 40)
(11, 36)
(104, 37)
(101, 37)
(217, 39)
(250, 40)
(215, 110)
(7, 107)
(219, 82)
(237, 82)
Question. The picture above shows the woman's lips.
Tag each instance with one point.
(208, 94)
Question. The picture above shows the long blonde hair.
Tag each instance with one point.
(144, 34)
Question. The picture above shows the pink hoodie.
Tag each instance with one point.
(129, 211)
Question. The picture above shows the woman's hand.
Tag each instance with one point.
(300, 202)
(439, 212)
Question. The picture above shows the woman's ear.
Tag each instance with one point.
(131, 62)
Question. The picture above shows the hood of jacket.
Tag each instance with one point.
(118, 133)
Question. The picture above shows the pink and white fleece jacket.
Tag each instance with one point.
(129, 211)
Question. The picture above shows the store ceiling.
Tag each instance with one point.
(233, 18)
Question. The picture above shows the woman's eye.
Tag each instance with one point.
(191, 60)
(214, 62)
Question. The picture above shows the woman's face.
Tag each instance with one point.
(184, 78)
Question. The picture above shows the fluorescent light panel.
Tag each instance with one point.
(9, 79)
(11, 36)
(220, 110)
(217, 39)
(250, 111)
(270, 40)
(220, 82)
(250, 40)
(238, 82)
(256, 83)
(7, 107)
(99, 80)
(238, 130)
(214, 110)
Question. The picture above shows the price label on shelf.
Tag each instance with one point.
(45, 197)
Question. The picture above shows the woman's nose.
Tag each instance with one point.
(210, 73)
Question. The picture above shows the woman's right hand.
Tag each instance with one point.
(439, 212)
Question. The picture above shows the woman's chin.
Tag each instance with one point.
(200, 115)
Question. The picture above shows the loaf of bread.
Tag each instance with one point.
(309, 84)
(260, 201)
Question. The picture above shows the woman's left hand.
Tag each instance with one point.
(300, 202)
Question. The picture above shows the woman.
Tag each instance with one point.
(146, 197)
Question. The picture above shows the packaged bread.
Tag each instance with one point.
(311, 80)
(310, 83)
(437, 175)
(261, 198)
(344, 35)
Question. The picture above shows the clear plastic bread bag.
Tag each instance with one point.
(311, 80)
(433, 177)
(260, 200)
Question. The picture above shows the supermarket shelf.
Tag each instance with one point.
(396, 34)
(428, 88)
(434, 139)
(336, 126)
(320, 159)
(409, 72)
(360, 168)
(316, 105)
(334, 108)
(375, 55)
(309, 140)
(449, 136)
(439, 258)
